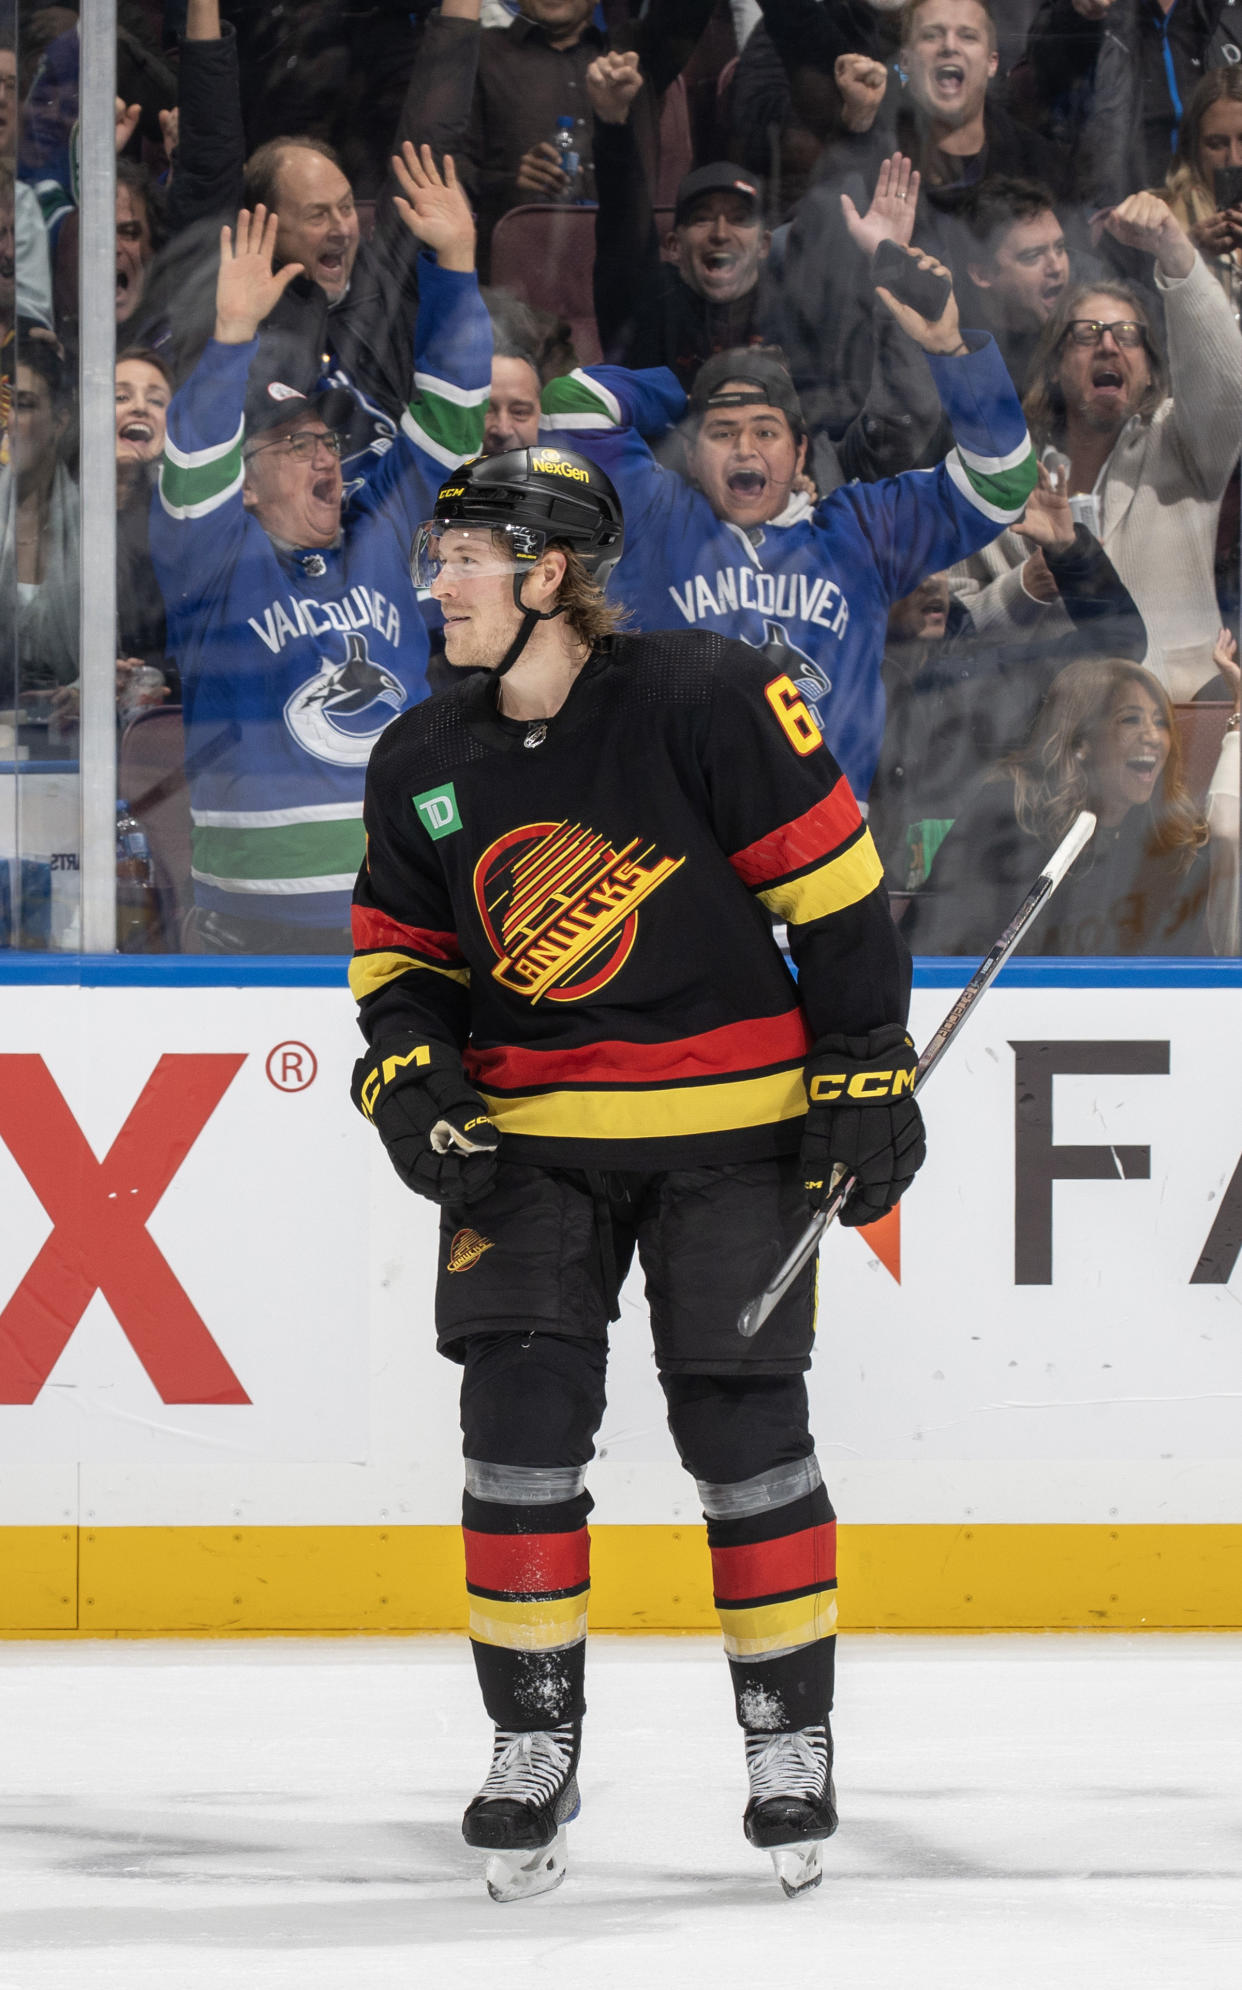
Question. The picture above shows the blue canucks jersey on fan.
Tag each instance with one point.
(814, 586)
(294, 660)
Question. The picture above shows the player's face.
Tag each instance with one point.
(480, 615)
(1030, 268)
(1103, 384)
(142, 398)
(745, 459)
(512, 418)
(949, 59)
(720, 245)
(295, 491)
(317, 222)
(1128, 754)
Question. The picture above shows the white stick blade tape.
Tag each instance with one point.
(1072, 845)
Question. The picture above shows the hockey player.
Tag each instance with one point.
(584, 1040)
(298, 637)
(744, 551)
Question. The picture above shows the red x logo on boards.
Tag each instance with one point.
(100, 1242)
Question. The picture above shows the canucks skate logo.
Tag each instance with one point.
(340, 712)
(812, 684)
(559, 904)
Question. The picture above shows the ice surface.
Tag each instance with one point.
(1016, 1812)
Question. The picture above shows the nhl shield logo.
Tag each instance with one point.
(340, 712)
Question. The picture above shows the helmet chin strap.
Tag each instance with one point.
(527, 627)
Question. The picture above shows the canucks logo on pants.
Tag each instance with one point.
(340, 712)
(805, 672)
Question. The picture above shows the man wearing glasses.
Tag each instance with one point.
(1142, 444)
(298, 633)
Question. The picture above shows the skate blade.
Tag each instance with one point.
(799, 1867)
(521, 1875)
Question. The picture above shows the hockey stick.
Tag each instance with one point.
(756, 1311)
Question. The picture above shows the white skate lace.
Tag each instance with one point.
(788, 1765)
(529, 1768)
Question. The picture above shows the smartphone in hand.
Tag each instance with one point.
(1227, 185)
(898, 271)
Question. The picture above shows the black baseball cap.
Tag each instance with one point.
(723, 177)
(276, 392)
(765, 374)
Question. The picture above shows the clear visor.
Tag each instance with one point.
(444, 551)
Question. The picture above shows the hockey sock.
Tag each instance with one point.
(530, 1407)
(774, 1578)
(527, 1581)
(772, 1535)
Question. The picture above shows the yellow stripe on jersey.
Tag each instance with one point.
(370, 972)
(547, 1624)
(768, 1627)
(830, 887)
(639, 1115)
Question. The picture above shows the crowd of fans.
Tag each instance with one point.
(694, 303)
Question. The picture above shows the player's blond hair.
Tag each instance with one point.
(588, 610)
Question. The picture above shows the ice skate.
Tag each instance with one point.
(520, 1814)
(792, 1806)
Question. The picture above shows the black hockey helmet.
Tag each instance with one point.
(538, 497)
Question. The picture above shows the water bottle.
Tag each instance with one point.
(570, 160)
(137, 906)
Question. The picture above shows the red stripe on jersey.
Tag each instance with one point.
(770, 1568)
(377, 929)
(527, 1564)
(814, 835)
(750, 1046)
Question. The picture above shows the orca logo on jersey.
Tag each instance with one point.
(338, 714)
(808, 678)
(560, 906)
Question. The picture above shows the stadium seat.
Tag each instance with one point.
(1201, 728)
(676, 143)
(545, 256)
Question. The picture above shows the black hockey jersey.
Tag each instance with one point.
(583, 907)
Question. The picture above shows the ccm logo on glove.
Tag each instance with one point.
(383, 1074)
(831, 1085)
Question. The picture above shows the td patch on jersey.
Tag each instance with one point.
(340, 712)
(438, 809)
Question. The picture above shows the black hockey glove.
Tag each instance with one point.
(863, 1119)
(434, 1125)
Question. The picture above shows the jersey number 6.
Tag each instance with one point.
(796, 722)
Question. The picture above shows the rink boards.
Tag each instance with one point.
(221, 1407)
